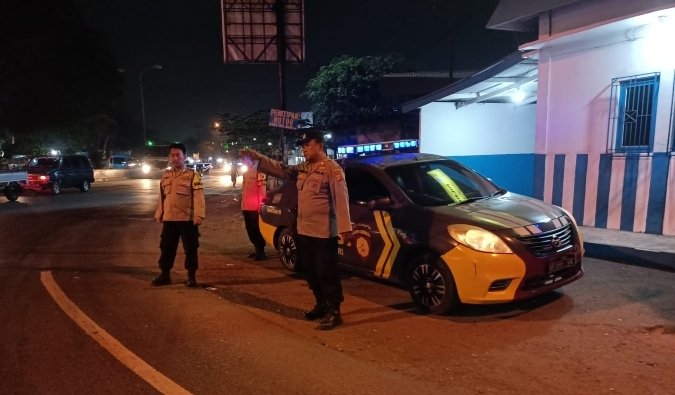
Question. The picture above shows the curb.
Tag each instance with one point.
(631, 256)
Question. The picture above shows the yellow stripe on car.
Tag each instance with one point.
(391, 245)
(268, 231)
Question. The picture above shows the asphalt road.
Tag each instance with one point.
(79, 316)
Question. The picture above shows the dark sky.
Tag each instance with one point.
(194, 85)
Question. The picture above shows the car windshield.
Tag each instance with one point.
(441, 183)
(43, 162)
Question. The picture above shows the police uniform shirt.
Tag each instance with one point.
(253, 189)
(181, 196)
(323, 201)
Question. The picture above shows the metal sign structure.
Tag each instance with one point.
(256, 31)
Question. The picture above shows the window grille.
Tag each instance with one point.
(671, 130)
(632, 114)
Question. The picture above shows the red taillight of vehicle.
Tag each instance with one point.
(38, 178)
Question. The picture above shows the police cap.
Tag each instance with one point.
(309, 135)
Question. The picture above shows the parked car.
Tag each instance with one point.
(52, 173)
(119, 162)
(446, 233)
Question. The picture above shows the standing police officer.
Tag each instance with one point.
(323, 213)
(253, 190)
(181, 209)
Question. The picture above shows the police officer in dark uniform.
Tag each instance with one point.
(323, 214)
(181, 209)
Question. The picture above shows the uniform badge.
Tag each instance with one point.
(197, 181)
(338, 174)
(322, 167)
(361, 241)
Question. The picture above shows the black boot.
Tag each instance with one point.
(315, 313)
(164, 278)
(330, 321)
(192, 279)
(259, 253)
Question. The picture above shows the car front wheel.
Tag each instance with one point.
(288, 253)
(432, 286)
(85, 186)
(56, 187)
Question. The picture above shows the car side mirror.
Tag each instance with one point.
(380, 203)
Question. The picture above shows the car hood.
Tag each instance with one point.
(508, 211)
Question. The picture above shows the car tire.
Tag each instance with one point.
(12, 191)
(432, 286)
(287, 249)
(56, 187)
(85, 186)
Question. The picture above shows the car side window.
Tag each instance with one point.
(66, 163)
(363, 186)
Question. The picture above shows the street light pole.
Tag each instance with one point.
(140, 87)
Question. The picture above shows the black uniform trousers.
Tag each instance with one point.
(172, 231)
(253, 228)
(319, 258)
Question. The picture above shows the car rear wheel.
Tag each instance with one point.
(432, 286)
(288, 253)
(12, 191)
(56, 187)
(85, 186)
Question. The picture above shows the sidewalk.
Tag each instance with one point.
(653, 251)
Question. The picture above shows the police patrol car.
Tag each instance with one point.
(447, 234)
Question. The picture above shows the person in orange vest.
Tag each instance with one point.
(253, 190)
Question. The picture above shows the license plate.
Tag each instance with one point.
(562, 264)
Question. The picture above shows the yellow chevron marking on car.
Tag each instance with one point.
(268, 231)
(391, 244)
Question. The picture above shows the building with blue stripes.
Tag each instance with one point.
(581, 118)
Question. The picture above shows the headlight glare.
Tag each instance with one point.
(478, 239)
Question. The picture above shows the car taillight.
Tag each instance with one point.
(43, 178)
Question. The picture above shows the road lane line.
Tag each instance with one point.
(151, 375)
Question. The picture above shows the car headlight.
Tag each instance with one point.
(478, 239)
(146, 168)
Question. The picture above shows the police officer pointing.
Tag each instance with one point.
(180, 209)
(323, 213)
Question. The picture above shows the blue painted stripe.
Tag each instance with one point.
(629, 192)
(602, 201)
(539, 176)
(558, 179)
(658, 187)
(580, 173)
(500, 169)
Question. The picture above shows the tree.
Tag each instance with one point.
(248, 131)
(346, 90)
(55, 71)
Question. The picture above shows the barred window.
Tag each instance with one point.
(633, 114)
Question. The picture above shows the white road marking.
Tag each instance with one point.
(146, 372)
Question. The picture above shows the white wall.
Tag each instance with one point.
(477, 129)
(575, 86)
